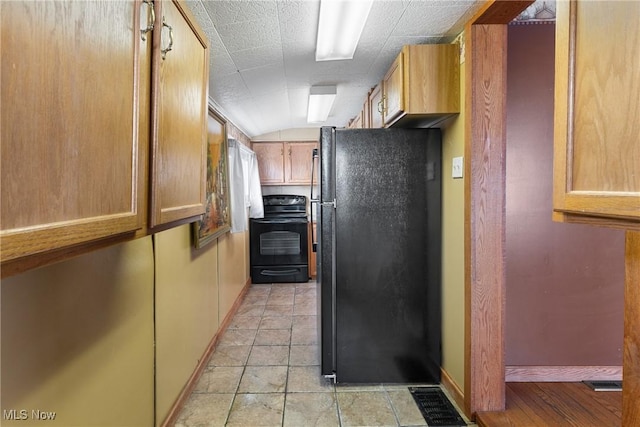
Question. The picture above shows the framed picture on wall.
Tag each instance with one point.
(216, 219)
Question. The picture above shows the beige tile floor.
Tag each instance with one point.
(265, 372)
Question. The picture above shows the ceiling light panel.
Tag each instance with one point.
(320, 102)
(339, 28)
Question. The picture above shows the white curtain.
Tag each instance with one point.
(244, 180)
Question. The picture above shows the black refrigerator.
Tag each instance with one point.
(378, 213)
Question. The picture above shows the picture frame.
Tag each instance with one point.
(216, 219)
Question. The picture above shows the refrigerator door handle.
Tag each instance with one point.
(314, 156)
(331, 203)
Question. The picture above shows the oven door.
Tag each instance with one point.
(279, 250)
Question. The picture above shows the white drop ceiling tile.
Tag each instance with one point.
(298, 21)
(201, 15)
(255, 10)
(225, 12)
(325, 72)
(243, 114)
(249, 34)
(381, 21)
(257, 57)
(273, 107)
(267, 79)
(228, 89)
(222, 65)
(220, 61)
(273, 44)
(427, 19)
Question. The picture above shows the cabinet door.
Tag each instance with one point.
(180, 79)
(366, 114)
(597, 130)
(270, 157)
(375, 107)
(70, 149)
(356, 123)
(299, 162)
(392, 90)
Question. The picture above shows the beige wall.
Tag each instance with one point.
(233, 264)
(78, 336)
(453, 248)
(300, 134)
(186, 310)
(77, 339)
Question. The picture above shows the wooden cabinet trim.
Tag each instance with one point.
(282, 169)
(615, 204)
(168, 203)
(78, 197)
(394, 85)
(121, 211)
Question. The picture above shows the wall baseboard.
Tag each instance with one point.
(562, 373)
(188, 388)
(452, 388)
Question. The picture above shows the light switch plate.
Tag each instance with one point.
(457, 167)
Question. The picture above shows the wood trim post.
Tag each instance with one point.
(631, 357)
(485, 198)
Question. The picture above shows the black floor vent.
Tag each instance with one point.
(436, 408)
(604, 385)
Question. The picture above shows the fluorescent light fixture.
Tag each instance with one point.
(320, 102)
(339, 28)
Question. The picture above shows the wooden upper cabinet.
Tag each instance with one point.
(597, 124)
(356, 122)
(422, 86)
(72, 153)
(393, 95)
(298, 166)
(366, 114)
(270, 157)
(284, 163)
(375, 107)
(179, 119)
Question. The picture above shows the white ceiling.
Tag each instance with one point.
(263, 55)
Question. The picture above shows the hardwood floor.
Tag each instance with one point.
(555, 404)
